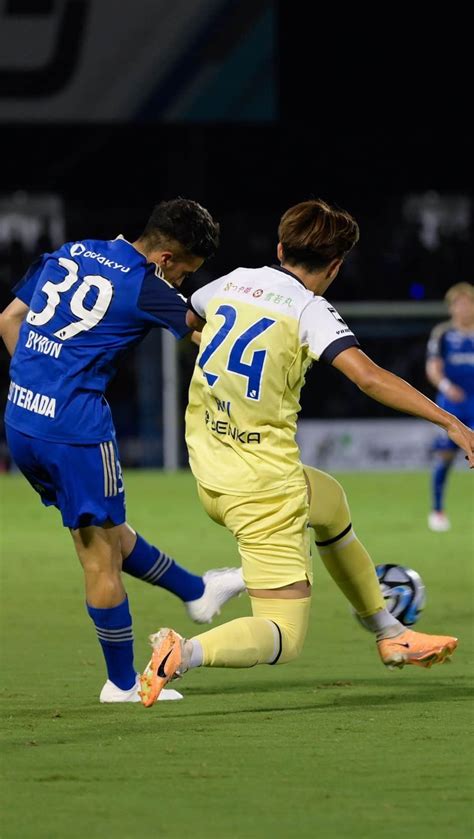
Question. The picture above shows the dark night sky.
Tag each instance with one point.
(367, 106)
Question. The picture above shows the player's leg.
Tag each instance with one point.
(344, 556)
(444, 454)
(275, 633)
(98, 549)
(352, 569)
(147, 562)
(83, 482)
(202, 596)
(91, 498)
(144, 561)
(99, 552)
(70, 478)
(274, 546)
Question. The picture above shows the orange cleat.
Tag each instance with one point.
(416, 648)
(162, 666)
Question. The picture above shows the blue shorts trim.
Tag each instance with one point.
(83, 482)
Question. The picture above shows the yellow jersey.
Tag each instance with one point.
(263, 330)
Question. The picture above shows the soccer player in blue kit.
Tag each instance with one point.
(75, 312)
(450, 369)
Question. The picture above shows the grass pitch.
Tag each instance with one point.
(329, 746)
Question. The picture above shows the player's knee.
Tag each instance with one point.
(328, 508)
(293, 626)
(103, 586)
(105, 577)
(290, 617)
(340, 506)
(98, 550)
(292, 643)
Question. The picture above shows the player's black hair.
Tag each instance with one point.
(185, 222)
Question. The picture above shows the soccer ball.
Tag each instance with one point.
(403, 591)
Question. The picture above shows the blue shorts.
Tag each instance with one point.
(83, 482)
(464, 411)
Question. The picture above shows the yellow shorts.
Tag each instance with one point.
(271, 531)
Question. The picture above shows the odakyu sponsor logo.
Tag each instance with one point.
(78, 249)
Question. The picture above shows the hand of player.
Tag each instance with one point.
(463, 437)
(455, 393)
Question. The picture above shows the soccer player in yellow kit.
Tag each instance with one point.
(263, 328)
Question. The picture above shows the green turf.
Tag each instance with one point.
(329, 746)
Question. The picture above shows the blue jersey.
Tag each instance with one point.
(456, 350)
(89, 302)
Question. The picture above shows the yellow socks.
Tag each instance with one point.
(344, 556)
(243, 642)
(291, 617)
(274, 635)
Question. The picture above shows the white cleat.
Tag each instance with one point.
(438, 522)
(111, 693)
(220, 586)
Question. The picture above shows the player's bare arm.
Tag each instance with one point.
(435, 374)
(396, 393)
(10, 322)
(196, 324)
(194, 321)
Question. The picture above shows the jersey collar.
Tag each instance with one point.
(121, 238)
(290, 273)
(156, 268)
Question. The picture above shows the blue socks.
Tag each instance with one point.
(151, 565)
(114, 626)
(114, 631)
(438, 483)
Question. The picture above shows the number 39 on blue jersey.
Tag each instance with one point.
(88, 302)
(88, 317)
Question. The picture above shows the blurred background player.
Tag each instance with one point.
(263, 329)
(450, 369)
(76, 311)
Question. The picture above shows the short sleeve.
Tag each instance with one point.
(199, 301)
(161, 305)
(24, 289)
(435, 347)
(324, 332)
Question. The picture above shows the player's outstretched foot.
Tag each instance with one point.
(111, 693)
(438, 522)
(416, 648)
(165, 661)
(219, 586)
